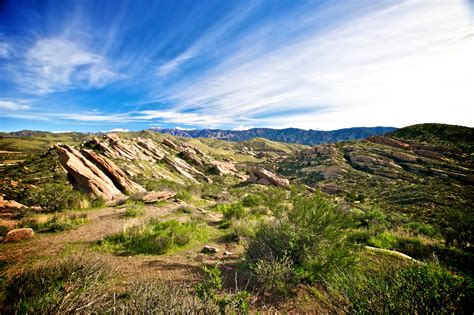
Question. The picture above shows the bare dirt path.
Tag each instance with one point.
(179, 266)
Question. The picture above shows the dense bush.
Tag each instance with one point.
(156, 237)
(232, 211)
(57, 197)
(311, 236)
(414, 289)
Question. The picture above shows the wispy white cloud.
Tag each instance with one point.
(57, 64)
(13, 105)
(5, 50)
(405, 64)
(242, 127)
(119, 130)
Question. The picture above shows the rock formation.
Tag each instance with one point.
(265, 177)
(156, 196)
(95, 174)
(117, 176)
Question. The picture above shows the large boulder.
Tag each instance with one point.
(18, 235)
(265, 177)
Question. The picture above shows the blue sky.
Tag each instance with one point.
(89, 65)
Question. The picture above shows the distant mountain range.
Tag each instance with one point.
(290, 135)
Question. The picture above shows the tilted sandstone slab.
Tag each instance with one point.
(117, 176)
(185, 169)
(86, 175)
(266, 177)
(155, 196)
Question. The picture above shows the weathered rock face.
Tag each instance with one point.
(156, 196)
(95, 174)
(138, 148)
(18, 235)
(86, 175)
(117, 176)
(265, 177)
(185, 169)
(170, 144)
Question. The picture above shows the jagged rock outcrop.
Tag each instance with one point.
(95, 174)
(265, 177)
(170, 144)
(183, 168)
(86, 175)
(113, 146)
(117, 176)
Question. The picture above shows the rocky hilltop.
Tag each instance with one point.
(424, 176)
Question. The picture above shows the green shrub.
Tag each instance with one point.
(274, 275)
(232, 211)
(373, 218)
(162, 184)
(184, 195)
(252, 200)
(208, 292)
(57, 197)
(414, 289)
(384, 240)
(421, 228)
(134, 208)
(311, 235)
(157, 237)
(61, 287)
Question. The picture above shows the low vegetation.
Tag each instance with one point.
(54, 223)
(134, 208)
(157, 237)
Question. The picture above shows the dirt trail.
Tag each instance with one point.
(101, 223)
(182, 265)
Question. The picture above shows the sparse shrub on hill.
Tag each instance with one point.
(310, 236)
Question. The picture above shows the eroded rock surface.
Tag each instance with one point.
(265, 177)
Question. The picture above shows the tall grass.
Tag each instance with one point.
(155, 237)
(56, 223)
(134, 208)
(411, 289)
(71, 285)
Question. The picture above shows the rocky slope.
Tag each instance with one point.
(289, 135)
(415, 177)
